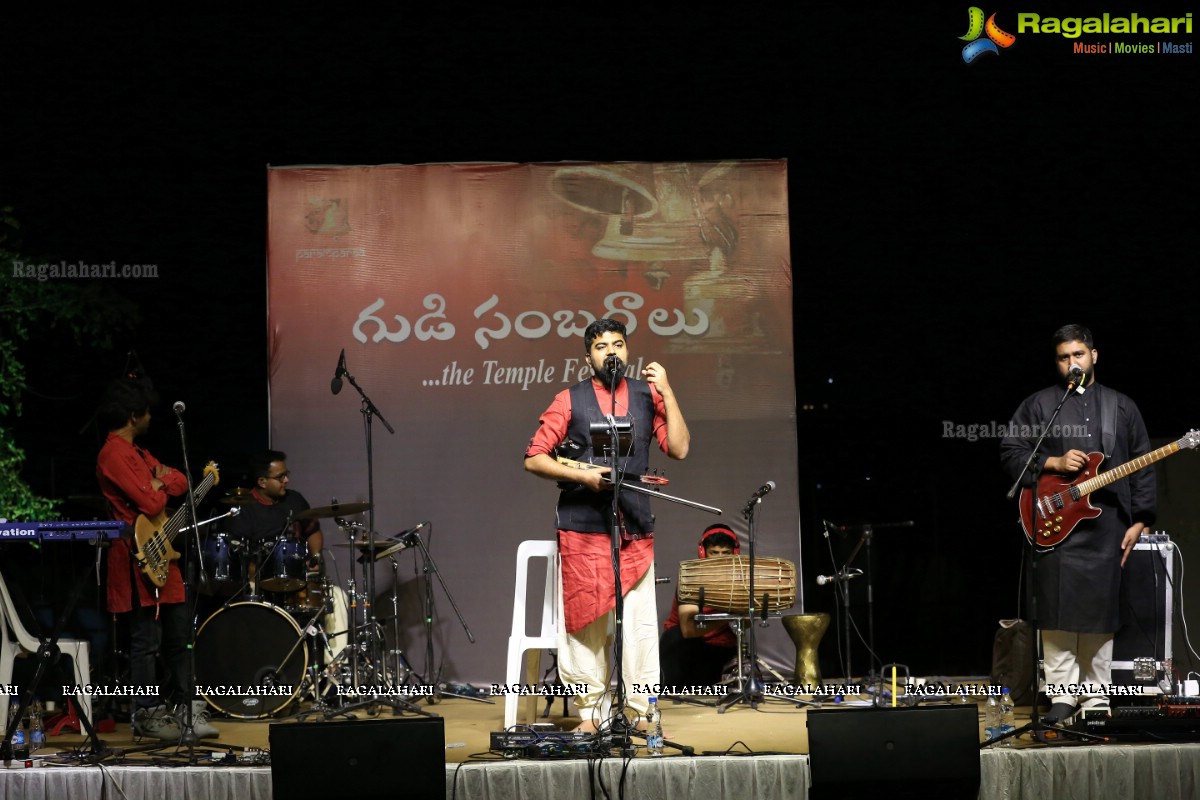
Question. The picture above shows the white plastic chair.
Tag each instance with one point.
(77, 649)
(521, 644)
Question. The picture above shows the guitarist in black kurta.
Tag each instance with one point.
(1078, 581)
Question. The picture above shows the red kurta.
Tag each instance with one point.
(125, 471)
(586, 560)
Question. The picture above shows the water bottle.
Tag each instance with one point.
(1008, 720)
(654, 737)
(37, 734)
(19, 747)
(991, 718)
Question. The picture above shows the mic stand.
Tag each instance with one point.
(376, 654)
(1035, 726)
(751, 684)
(187, 724)
(428, 565)
(620, 727)
(842, 579)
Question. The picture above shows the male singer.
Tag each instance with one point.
(588, 594)
(1078, 582)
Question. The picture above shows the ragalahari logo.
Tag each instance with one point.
(976, 27)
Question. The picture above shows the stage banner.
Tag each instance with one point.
(459, 293)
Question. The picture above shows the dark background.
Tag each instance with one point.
(946, 218)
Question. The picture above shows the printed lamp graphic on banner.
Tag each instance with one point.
(976, 28)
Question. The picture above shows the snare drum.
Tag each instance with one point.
(224, 565)
(726, 582)
(250, 645)
(284, 569)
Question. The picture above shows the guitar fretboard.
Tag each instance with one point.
(1127, 469)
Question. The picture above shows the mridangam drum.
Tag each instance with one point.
(250, 660)
(726, 582)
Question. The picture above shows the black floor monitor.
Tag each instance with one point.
(894, 753)
(363, 759)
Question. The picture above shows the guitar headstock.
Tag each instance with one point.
(211, 469)
(1191, 439)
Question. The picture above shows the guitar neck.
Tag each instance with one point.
(1126, 469)
(176, 521)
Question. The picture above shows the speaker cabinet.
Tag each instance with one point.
(1147, 611)
(363, 759)
(921, 752)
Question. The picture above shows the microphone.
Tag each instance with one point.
(613, 364)
(335, 385)
(1075, 374)
(824, 579)
(179, 407)
(411, 531)
(764, 490)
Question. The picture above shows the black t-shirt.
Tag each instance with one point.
(258, 521)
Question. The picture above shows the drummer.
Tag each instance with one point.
(271, 515)
(690, 654)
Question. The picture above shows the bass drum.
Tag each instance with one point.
(251, 659)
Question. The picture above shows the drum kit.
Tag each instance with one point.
(284, 633)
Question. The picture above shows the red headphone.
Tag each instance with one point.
(713, 530)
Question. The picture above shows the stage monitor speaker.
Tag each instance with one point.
(920, 752)
(363, 759)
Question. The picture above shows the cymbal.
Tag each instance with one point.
(335, 510)
(237, 496)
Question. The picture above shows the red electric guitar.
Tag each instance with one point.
(1062, 502)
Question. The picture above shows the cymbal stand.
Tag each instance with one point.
(368, 657)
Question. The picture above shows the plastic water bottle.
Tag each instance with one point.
(1008, 720)
(991, 718)
(654, 737)
(19, 747)
(37, 734)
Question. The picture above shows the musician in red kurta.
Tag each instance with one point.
(588, 596)
(135, 483)
(693, 654)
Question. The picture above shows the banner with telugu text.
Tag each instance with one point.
(460, 293)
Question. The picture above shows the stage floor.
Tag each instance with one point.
(774, 727)
(761, 753)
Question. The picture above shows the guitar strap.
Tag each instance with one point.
(1108, 424)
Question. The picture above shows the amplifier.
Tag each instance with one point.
(1170, 718)
(549, 744)
(1143, 642)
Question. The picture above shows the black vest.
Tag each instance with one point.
(581, 509)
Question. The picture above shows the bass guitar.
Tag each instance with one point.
(1062, 502)
(153, 538)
